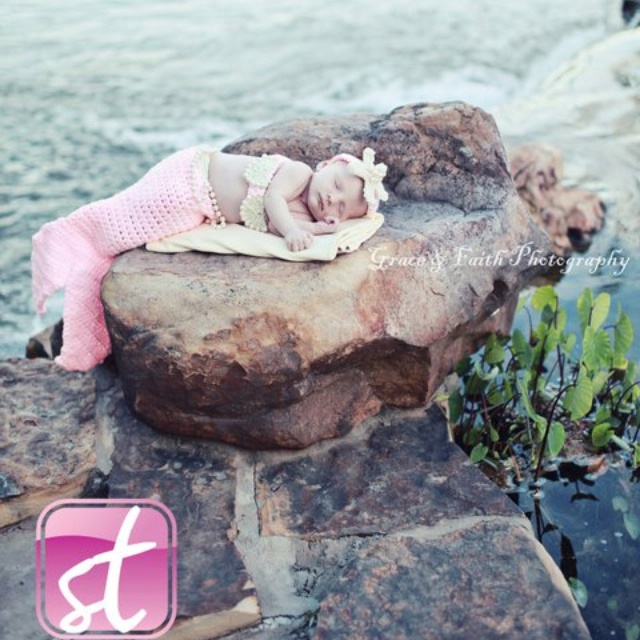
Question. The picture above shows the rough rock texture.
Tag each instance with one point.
(47, 436)
(264, 353)
(564, 213)
(45, 344)
(435, 152)
(408, 541)
(434, 583)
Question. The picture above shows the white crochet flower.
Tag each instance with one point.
(372, 175)
(260, 170)
(252, 213)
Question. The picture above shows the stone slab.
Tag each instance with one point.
(197, 481)
(400, 473)
(486, 581)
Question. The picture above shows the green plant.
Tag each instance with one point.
(632, 632)
(630, 518)
(579, 591)
(524, 394)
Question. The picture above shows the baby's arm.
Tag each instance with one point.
(315, 228)
(329, 225)
(288, 183)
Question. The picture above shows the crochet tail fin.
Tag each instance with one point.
(62, 257)
(51, 261)
(85, 338)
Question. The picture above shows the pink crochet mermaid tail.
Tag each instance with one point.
(63, 256)
(76, 252)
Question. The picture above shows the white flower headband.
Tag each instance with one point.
(372, 175)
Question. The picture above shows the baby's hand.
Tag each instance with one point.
(298, 239)
(328, 225)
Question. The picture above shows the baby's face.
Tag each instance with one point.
(334, 192)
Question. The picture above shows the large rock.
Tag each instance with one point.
(389, 532)
(264, 353)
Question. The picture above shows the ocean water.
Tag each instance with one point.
(94, 92)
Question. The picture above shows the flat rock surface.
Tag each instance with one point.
(199, 484)
(483, 581)
(395, 477)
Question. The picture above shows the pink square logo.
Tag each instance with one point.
(106, 569)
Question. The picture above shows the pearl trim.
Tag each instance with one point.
(217, 220)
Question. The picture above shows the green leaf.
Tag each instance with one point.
(585, 301)
(619, 362)
(630, 374)
(568, 343)
(494, 351)
(553, 338)
(540, 331)
(620, 504)
(521, 349)
(636, 455)
(556, 438)
(600, 310)
(544, 297)
(597, 382)
(561, 320)
(526, 401)
(487, 376)
(632, 631)
(541, 427)
(508, 389)
(621, 444)
(601, 434)
(548, 315)
(456, 406)
(579, 591)
(478, 453)
(495, 397)
(603, 413)
(578, 399)
(632, 524)
(475, 385)
(588, 346)
(596, 348)
(622, 335)
(463, 368)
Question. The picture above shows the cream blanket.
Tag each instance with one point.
(236, 238)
